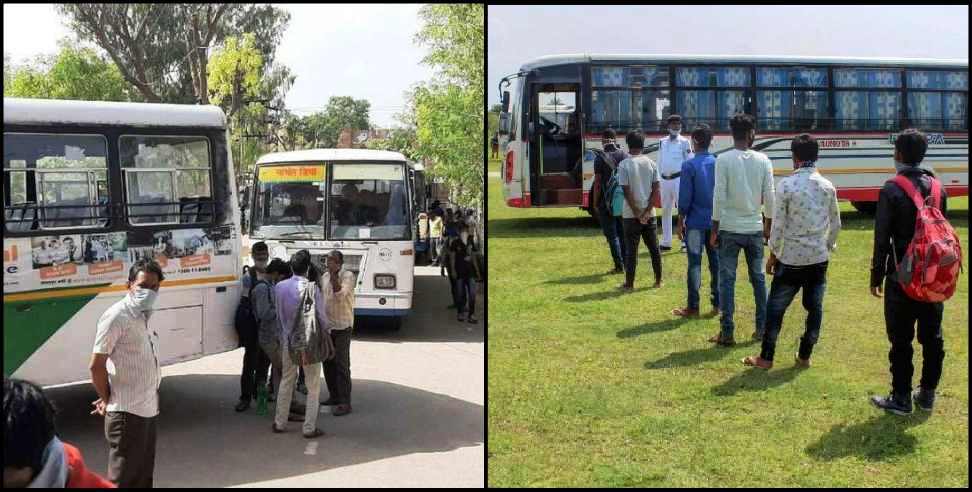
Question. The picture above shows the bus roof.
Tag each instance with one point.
(552, 60)
(56, 111)
(319, 155)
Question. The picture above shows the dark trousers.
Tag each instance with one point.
(613, 230)
(633, 229)
(255, 367)
(787, 281)
(337, 371)
(131, 449)
(465, 294)
(900, 315)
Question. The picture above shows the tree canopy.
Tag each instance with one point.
(73, 73)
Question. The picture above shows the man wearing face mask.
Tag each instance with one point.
(466, 272)
(673, 150)
(255, 362)
(128, 395)
(337, 285)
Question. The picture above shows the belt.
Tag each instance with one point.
(672, 176)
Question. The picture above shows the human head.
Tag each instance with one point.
(335, 260)
(702, 137)
(349, 191)
(635, 140)
(260, 253)
(145, 274)
(278, 270)
(910, 147)
(608, 137)
(674, 124)
(28, 427)
(743, 128)
(300, 262)
(804, 148)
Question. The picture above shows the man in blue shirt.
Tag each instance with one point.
(695, 220)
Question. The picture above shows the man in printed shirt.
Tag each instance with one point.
(337, 284)
(673, 150)
(128, 389)
(804, 232)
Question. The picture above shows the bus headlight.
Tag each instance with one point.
(384, 281)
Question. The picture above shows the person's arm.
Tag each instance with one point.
(626, 188)
(106, 337)
(655, 191)
(689, 152)
(685, 190)
(596, 187)
(718, 195)
(835, 224)
(262, 307)
(882, 237)
(776, 242)
(768, 198)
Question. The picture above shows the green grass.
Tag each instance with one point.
(495, 165)
(591, 388)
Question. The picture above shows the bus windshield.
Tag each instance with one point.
(368, 201)
(289, 201)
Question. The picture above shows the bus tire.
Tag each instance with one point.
(866, 208)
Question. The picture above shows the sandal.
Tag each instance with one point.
(717, 339)
(685, 312)
(316, 433)
(755, 361)
(801, 363)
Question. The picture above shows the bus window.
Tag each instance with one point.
(711, 107)
(867, 110)
(930, 107)
(368, 201)
(167, 179)
(57, 183)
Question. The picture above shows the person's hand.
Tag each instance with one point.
(100, 407)
(771, 265)
(681, 231)
(714, 239)
(876, 291)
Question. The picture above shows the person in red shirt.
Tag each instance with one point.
(33, 456)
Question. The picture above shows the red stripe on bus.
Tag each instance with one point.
(870, 194)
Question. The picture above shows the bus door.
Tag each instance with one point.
(556, 144)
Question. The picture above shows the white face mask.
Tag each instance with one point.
(674, 133)
(464, 236)
(144, 299)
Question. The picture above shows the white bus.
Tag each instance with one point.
(358, 202)
(853, 106)
(88, 189)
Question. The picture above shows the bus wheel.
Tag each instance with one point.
(867, 208)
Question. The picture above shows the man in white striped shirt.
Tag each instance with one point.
(125, 373)
(337, 285)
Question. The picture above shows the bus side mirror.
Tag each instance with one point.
(506, 101)
(504, 124)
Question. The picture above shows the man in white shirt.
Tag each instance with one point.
(673, 150)
(638, 177)
(337, 285)
(743, 195)
(805, 227)
(128, 388)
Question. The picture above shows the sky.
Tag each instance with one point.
(517, 34)
(363, 51)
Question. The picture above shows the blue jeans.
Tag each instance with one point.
(786, 282)
(613, 231)
(696, 240)
(729, 245)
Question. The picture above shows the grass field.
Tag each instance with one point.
(589, 387)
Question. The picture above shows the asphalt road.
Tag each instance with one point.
(418, 416)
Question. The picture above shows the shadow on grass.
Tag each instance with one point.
(600, 296)
(665, 325)
(755, 379)
(586, 279)
(544, 227)
(694, 357)
(881, 438)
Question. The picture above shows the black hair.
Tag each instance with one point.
(279, 266)
(741, 124)
(461, 225)
(805, 147)
(674, 118)
(703, 135)
(261, 247)
(145, 265)
(912, 145)
(300, 262)
(609, 134)
(339, 255)
(635, 139)
(28, 424)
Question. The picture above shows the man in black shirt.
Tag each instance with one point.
(605, 165)
(466, 272)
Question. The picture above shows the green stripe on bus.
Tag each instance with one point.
(25, 330)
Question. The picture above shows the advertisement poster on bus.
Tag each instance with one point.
(185, 251)
(78, 258)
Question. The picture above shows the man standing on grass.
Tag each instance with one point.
(638, 177)
(673, 150)
(805, 227)
(605, 166)
(743, 185)
(695, 215)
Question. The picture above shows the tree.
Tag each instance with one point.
(161, 49)
(234, 74)
(73, 73)
(322, 129)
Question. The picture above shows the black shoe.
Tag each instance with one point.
(243, 405)
(462, 316)
(330, 402)
(925, 399)
(897, 406)
(665, 248)
(472, 320)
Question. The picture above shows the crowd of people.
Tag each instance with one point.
(730, 204)
(453, 243)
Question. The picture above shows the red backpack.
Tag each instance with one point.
(930, 268)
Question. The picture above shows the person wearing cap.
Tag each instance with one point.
(673, 150)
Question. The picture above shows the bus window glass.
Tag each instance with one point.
(956, 111)
(65, 170)
(611, 108)
(167, 179)
(289, 200)
(927, 79)
(714, 108)
(866, 78)
(791, 77)
(792, 110)
(368, 201)
(629, 76)
(656, 106)
(867, 110)
(712, 76)
(925, 110)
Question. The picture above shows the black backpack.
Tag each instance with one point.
(608, 187)
(245, 320)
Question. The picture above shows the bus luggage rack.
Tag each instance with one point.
(24, 217)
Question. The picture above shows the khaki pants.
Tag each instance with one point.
(131, 449)
(312, 375)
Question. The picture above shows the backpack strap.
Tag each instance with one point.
(915, 195)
